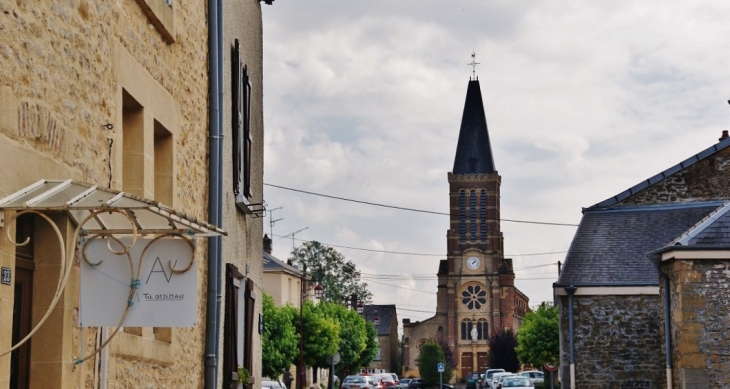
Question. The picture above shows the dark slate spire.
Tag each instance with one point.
(473, 152)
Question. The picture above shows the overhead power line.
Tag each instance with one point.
(408, 209)
(409, 253)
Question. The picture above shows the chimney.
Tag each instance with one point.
(724, 136)
(267, 244)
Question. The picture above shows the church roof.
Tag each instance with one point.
(473, 151)
(611, 245)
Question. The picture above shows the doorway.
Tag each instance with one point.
(467, 364)
(22, 304)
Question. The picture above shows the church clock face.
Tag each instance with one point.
(472, 263)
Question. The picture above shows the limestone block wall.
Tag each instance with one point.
(700, 302)
(61, 102)
(616, 344)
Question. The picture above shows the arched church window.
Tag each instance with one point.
(482, 329)
(474, 297)
(483, 215)
(462, 215)
(473, 215)
(466, 326)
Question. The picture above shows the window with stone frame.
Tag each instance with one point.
(466, 326)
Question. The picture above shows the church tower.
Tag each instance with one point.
(476, 294)
(481, 296)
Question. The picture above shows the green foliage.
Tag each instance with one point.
(339, 276)
(502, 350)
(538, 339)
(279, 339)
(357, 339)
(321, 334)
(429, 357)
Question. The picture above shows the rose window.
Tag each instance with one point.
(474, 297)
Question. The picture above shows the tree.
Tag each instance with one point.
(355, 342)
(449, 357)
(321, 334)
(502, 350)
(279, 340)
(538, 340)
(429, 356)
(339, 276)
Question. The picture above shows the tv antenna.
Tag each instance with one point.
(273, 221)
(292, 237)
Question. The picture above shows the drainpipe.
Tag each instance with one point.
(667, 329)
(213, 295)
(571, 291)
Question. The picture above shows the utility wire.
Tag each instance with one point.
(406, 208)
(408, 253)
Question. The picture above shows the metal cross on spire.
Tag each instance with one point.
(473, 64)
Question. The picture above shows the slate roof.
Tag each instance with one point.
(272, 264)
(610, 246)
(724, 143)
(473, 151)
(385, 313)
(711, 232)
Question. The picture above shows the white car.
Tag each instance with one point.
(499, 378)
(536, 376)
(488, 375)
(517, 382)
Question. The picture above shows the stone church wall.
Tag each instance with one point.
(414, 334)
(700, 302)
(616, 344)
(706, 180)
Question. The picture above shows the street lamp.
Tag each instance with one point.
(318, 293)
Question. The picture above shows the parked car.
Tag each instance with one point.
(495, 379)
(377, 379)
(388, 380)
(395, 378)
(418, 383)
(356, 382)
(272, 385)
(488, 375)
(536, 376)
(517, 382)
(501, 379)
(404, 383)
(472, 379)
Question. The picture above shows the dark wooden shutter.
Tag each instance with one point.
(249, 327)
(230, 328)
(246, 88)
(237, 120)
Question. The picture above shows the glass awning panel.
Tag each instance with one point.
(79, 200)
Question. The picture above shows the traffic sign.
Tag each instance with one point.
(441, 367)
(550, 367)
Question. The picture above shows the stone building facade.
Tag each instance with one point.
(116, 94)
(386, 360)
(645, 261)
(476, 291)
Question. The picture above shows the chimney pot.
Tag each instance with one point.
(267, 244)
(724, 135)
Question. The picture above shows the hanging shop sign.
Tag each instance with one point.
(154, 284)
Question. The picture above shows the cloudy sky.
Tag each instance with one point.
(363, 100)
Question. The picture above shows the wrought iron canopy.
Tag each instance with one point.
(79, 200)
